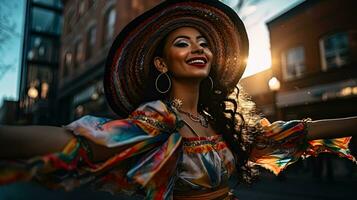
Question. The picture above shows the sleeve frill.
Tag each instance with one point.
(149, 140)
(283, 143)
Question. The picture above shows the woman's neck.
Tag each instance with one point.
(188, 92)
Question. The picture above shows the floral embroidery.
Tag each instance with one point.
(203, 144)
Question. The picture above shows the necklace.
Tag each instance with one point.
(198, 119)
(177, 103)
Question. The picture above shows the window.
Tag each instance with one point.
(109, 22)
(54, 3)
(81, 8)
(40, 78)
(42, 49)
(79, 54)
(68, 59)
(334, 50)
(68, 21)
(91, 36)
(45, 21)
(293, 62)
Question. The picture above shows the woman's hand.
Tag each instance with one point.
(332, 128)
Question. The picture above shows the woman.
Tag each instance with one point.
(188, 133)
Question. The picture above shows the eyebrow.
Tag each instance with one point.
(186, 37)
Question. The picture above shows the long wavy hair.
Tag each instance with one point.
(231, 112)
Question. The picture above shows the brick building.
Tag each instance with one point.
(314, 54)
(262, 96)
(89, 29)
(39, 65)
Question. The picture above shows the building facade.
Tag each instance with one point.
(88, 31)
(262, 96)
(8, 112)
(314, 54)
(39, 67)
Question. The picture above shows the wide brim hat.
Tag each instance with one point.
(131, 54)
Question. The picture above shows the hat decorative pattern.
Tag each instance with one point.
(131, 55)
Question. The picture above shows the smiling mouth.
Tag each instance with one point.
(198, 62)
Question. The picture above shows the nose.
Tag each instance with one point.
(196, 48)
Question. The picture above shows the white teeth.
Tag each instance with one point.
(196, 62)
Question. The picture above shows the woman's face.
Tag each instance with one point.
(187, 55)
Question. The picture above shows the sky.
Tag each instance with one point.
(11, 17)
(255, 13)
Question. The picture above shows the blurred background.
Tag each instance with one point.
(302, 63)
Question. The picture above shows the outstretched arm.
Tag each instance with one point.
(332, 128)
(21, 142)
(29, 141)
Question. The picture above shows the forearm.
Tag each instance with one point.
(29, 141)
(332, 128)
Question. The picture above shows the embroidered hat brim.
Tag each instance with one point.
(131, 55)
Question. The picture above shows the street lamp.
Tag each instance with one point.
(274, 86)
(32, 92)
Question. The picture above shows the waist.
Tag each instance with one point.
(221, 194)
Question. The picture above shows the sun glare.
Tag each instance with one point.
(259, 51)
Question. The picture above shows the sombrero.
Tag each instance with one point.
(131, 54)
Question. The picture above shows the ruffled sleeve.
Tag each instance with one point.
(150, 141)
(283, 143)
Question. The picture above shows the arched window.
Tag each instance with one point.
(78, 53)
(109, 24)
(67, 63)
(91, 39)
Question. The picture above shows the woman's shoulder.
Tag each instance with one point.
(157, 107)
(158, 114)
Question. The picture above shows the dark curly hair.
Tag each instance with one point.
(231, 114)
(234, 116)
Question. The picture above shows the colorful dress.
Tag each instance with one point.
(157, 161)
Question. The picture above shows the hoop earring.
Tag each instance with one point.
(157, 80)
(211, 80)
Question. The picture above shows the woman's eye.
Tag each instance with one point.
(204, 44)
(181, 44)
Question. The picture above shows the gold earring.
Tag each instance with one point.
(157, 80)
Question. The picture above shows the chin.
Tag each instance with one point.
(200, 73)
(199, 76)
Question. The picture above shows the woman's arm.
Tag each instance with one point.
(332, 128)
(21, 142)
(29, 141)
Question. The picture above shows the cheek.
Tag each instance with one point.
(176, 58)
(209, 55)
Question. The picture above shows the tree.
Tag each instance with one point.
(8, 32)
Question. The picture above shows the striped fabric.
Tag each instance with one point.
(283, 143)
(153, 152)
